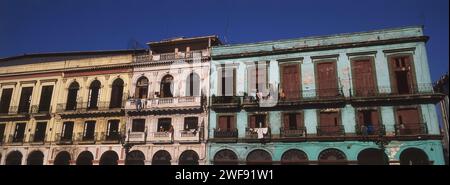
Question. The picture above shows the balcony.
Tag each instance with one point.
(331, 131)
(16, 140)
(137, 137)
(382, 95)
(161, 137)
(35, 109)
(2, 139)
(225, 134)
(111, 138)
(37, 138)
(372, 130)
(409, 129)
(258, 134)
(85, 108)
(196, 54)
(225, 102)
(293, 133)
(63, 140)
(189, 136)
(85, 139)
(176, 103)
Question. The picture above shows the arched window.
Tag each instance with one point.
(35, 158)
(85, 158)
(193, 85)
(116, 94)
(166, 89)
(332, 157)
(372, 156)
(188, 157)
(72, 96)
(259, 156)
(141, 88)
(14, 158)
(294, 156)
(109, 158)
(135, 157)
(414, 156)
(161, 157)
(62, 158)
(225, 157)
(94, 94)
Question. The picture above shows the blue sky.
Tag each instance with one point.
(32, 26)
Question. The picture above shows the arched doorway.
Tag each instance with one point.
(414, 156)
(259, 157)
(62, 158)
(85, 158)
(166, 89)
(193, 85)
(116, 94)
(188, 157)
(141, 90)
(161, 157)
(332, 157)
(294, 156)
(109, 158)
(35, 158)
(372, 156)
(14, 158)
(226, 157)
(72, 96)
(94, 94)
(135, 157)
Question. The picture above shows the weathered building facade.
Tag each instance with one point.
(360, 98)
(167, 114)
(64, 108)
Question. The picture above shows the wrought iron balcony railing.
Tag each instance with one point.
(35, 109)
(187, 101)
(64, 139)
(258, 133)
(82, 137)
(86, 106)
(37, 138)
(363, 130)
(420, 88)
(16, 139)
(111, 137)
(294, 132)
(337, 130)
(171, 56)
(226, 100)
(410, 129)
(223, 133)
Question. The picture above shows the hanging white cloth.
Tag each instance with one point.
(261, 132)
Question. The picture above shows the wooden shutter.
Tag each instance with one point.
(232, 122)
(253, 121)
(299, 119)
(291, 81)
(327, 82)
(375, 117)
(409, 116)
(223, 122)
(363, 77)
(286, 121)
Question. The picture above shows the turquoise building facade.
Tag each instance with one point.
(301, 114)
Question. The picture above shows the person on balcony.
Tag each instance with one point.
(282, 95)
(138, 104)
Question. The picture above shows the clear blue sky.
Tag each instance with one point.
(34, 26)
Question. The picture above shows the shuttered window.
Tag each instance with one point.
(363, 78)
(326, 79)
(291, 81)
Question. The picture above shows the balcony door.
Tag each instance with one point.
(67, 131)
(402, 74)
(39, 133)
(94, 94)
(19, 132)
(5, 100)
(89, 130)
(167, 86)
(327, 79)
(112, 130)
(46, 98)
(329, 123)
(368, 121)
(293, 121)
(116, 94)
(72, 96)
(363, 78)
(408, 120)
(25, 99)
(2, 133)
(226, 123)
(290, 81)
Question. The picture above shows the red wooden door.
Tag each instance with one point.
(410, 119)
(327, 82)
(329, 124)
(402, 73)
(291, 81)
(363, 78)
